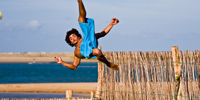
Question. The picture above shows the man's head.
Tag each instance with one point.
(72, 37)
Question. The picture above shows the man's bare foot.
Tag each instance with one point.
(113, 66)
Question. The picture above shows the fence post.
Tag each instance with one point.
(69, 94)
(91, 94)
(177, 70)
(98, 91)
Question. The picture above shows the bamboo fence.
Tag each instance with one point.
(149, 76)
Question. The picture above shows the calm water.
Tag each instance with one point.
(46, 73)
(38, 95)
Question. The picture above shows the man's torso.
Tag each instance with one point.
(77, 51)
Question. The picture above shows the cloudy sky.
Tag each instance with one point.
(145, 25)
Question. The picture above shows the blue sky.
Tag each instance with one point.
(145, 25)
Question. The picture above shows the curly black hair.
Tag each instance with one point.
(72, 31)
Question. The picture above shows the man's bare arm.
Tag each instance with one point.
(72, 66)
(114, 21)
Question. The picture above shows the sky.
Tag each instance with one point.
(144, 25)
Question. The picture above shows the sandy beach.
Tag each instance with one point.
(42, 57)
(49, 87)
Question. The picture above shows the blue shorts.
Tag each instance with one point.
(89, 41)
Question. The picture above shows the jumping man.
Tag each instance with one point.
(86, 47)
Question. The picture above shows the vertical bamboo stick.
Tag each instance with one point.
(114, 75)
(155, 86)
(171, 77)
(130, 76)
(99, 86)
(143, 77)
(111, 72)
(180, 95)
(167, 75)
(159, 75)
(148, 77)
(123, 76)
(135, 90)
(182, 88)
(126, 82)
(175, 55)
(183, 80)
(185, 75)
(198, 70)
(138, 76)
(189, 75)
(195, 81)
(196, 73)
(103, 79)
(120, 76)
(193, 73)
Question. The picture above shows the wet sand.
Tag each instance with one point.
(49, 87)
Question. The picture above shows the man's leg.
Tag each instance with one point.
(82, 12)
(101, 57)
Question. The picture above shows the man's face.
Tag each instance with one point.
(74, 39)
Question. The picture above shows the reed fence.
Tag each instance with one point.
(150, 76)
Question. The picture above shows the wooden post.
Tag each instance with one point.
(69, 94)
(177, 70)
(98, 91)
(91, 94)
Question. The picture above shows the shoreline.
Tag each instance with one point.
(83, 88)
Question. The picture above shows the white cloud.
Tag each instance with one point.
(7, 27)
(34, 24)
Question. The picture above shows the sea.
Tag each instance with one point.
(12, 73)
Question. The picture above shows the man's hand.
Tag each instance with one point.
(114, 21)
(58, 59)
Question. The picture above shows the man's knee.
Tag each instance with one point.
(81, 19)
(97, 52)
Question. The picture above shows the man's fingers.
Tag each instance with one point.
(115, 20)
(56, 59)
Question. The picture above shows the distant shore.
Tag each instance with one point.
(34, 57)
